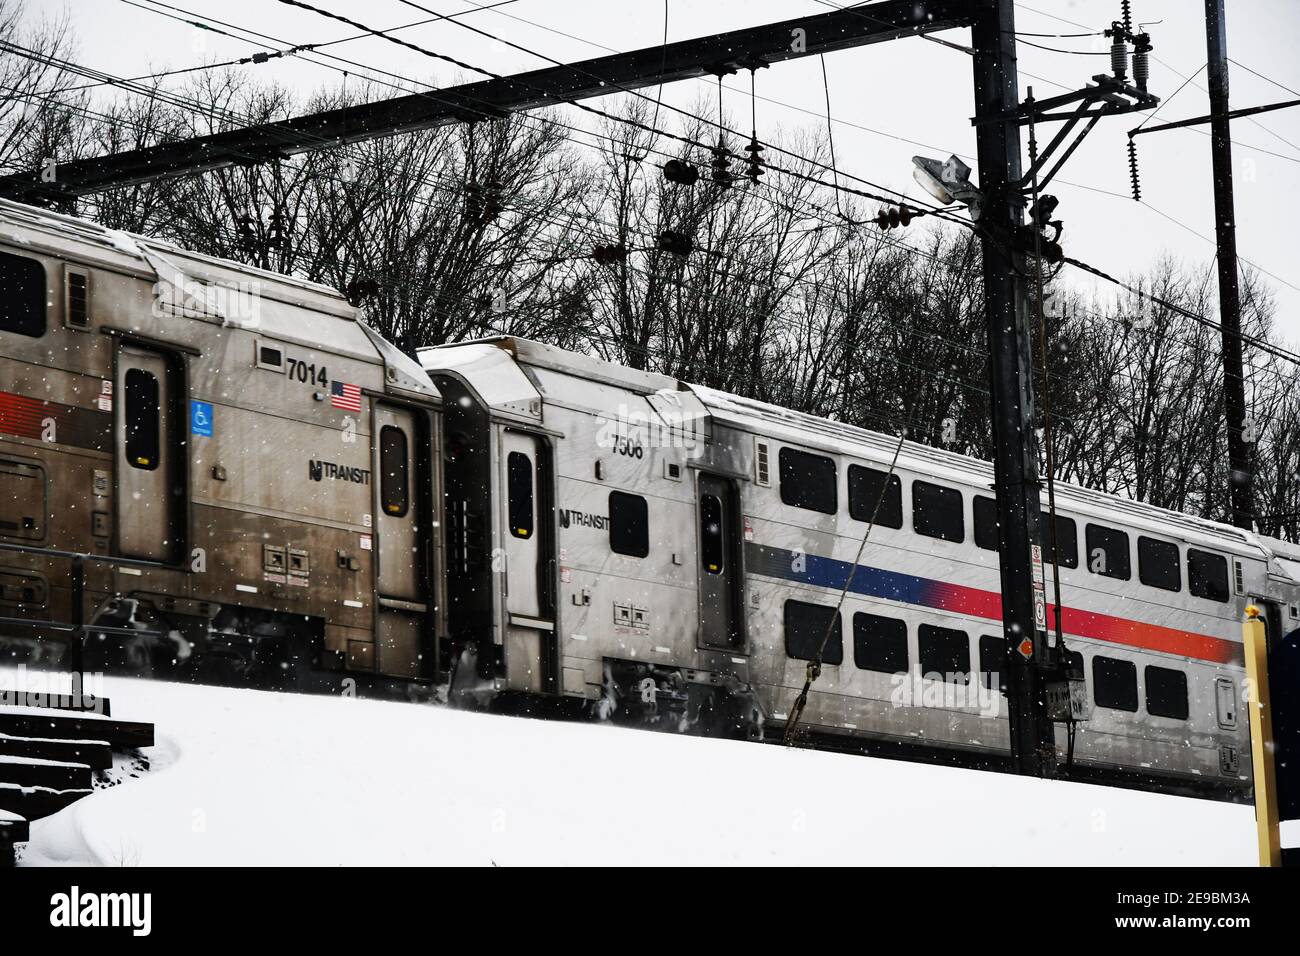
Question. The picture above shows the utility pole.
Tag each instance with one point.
(1033, 742)
(1241, 493)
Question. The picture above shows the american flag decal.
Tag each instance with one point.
(345, 396)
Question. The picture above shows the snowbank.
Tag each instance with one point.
(245, 777)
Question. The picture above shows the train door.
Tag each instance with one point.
(148, 471)
(530, 651)
(718, 523)
(401, 577)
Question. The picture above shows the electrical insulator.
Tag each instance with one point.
(684, 174)
(608, 255)
(1142, 61)
(1133, 170)
(360, 289)
(492, 205)
(721, 166)
(677, 243)
(1118, 52)
(755, 150)
(894, 217)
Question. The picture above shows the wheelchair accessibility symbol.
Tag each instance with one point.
(201, 418)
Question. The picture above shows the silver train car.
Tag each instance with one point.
(287, 498)
(262, 460)
(670, 551)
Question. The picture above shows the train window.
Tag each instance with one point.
(141, 416)
(937, 512)
(879, 643)
(1067, 541)
(986, 523)
(1158, 564)
(1074, 664)
(22, 295)
(1114, 684)
(1107, 552)
(393, 479)
(808, 481)
(945, 653)
(711, 533)
(866, 487)
(986, 533)
(1207, 575)
(993, 661)
(519, 494)
(805, 629)
(269, 357)
(629, 524)
(1166, 692)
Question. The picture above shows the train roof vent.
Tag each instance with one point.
(76, 301)
(762, 463)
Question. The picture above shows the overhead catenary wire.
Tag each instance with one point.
(810, 179)
(824, 184)
(614, 87)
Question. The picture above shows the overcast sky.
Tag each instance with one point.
(889, 100)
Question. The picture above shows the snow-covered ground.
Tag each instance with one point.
(246, 777)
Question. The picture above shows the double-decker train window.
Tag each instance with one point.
(1114, 684)
(986, 523)
(394, 495)
(944, 651)
(808, 481)
(141, 417)
(1107, 552)
(1067, 541)
(629, 524)
(1067, 533)
(879, 643)
(22, 295)
(519, 494)
(1207, 575)
(937, 512)
(1158, 564)
(866, 486)
(993, 661)
(805, 629)
(711, 549)
(1166, 692)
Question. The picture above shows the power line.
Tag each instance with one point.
(820, 182)
(1263, 77)
(604, 80)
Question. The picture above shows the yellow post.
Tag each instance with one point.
(1261, 738)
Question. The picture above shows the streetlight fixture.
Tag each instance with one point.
(948, 181)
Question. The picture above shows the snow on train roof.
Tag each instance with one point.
(828, 435)
(111, 245)
(810, 431)
(53, 232)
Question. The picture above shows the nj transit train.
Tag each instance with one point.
(527, 523)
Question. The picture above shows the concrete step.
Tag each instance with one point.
(95, 754)
(72, 725)
(53, 774)
(36, 802)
